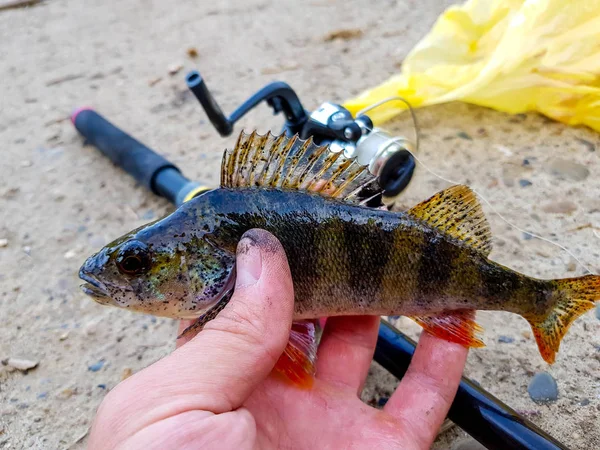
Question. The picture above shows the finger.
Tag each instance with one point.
(346, 350)
(424, 396)
(219, 368)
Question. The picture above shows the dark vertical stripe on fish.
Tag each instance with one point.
(435, 266)
(368, 251)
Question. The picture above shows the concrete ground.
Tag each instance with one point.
(61, 201)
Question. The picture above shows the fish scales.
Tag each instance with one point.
(351, 260)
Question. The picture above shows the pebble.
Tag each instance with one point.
(21, 364)
(584, 402)
(526, 334)
(468, 444)
(64, 336)
(67, 393)
(382, 401)
(506, 339)
(3, 243)
(464, 135)
(525, 183)
(96, 366)
(564, 168)
(148, 215)
(127, 372)
(174, 69)
(70, 254)
(27, 250)
(560, 207)
(543, 388)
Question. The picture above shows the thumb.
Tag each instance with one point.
(219, 368)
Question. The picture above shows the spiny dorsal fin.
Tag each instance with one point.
(457, 212)
(294, 164)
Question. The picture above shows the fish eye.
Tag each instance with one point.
(133, 258)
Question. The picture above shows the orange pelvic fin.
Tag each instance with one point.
(455, 326)
(297, 364)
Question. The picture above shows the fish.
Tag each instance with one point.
(429, 263)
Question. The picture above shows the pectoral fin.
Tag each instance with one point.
(455, 326)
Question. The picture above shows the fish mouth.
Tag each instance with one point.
(93, 287)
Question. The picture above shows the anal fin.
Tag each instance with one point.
(456, 326)
(297, 364)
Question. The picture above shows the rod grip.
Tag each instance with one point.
(135, 158)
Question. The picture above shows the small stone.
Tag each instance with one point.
(506, 339)
(584, 402)
(526, 162)
(67, 393)
(148, 215)
(560, 207)
(70, 254)
(464, 135)
(102, 386)
(26, 163)
(96, 366)
(543, 388)
(526, 334)
(525, 183)
(3, 243)
(91, 328)
(63, 336)
(527, 236)
(468, 444)
(21, 364)
(192, 52)
(174, 69)
(127, 372)
(570, 170)
(571, 266)
(27, 250)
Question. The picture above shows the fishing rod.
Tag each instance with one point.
(479, 413)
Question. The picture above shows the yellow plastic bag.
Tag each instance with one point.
(511, 55)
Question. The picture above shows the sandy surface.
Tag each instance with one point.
(61, 201)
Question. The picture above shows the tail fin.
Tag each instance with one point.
(574, 296)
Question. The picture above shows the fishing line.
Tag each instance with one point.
(399, 140)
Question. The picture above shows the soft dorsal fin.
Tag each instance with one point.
(457, 212)
(294, 164)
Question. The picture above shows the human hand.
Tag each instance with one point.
(217, 390)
